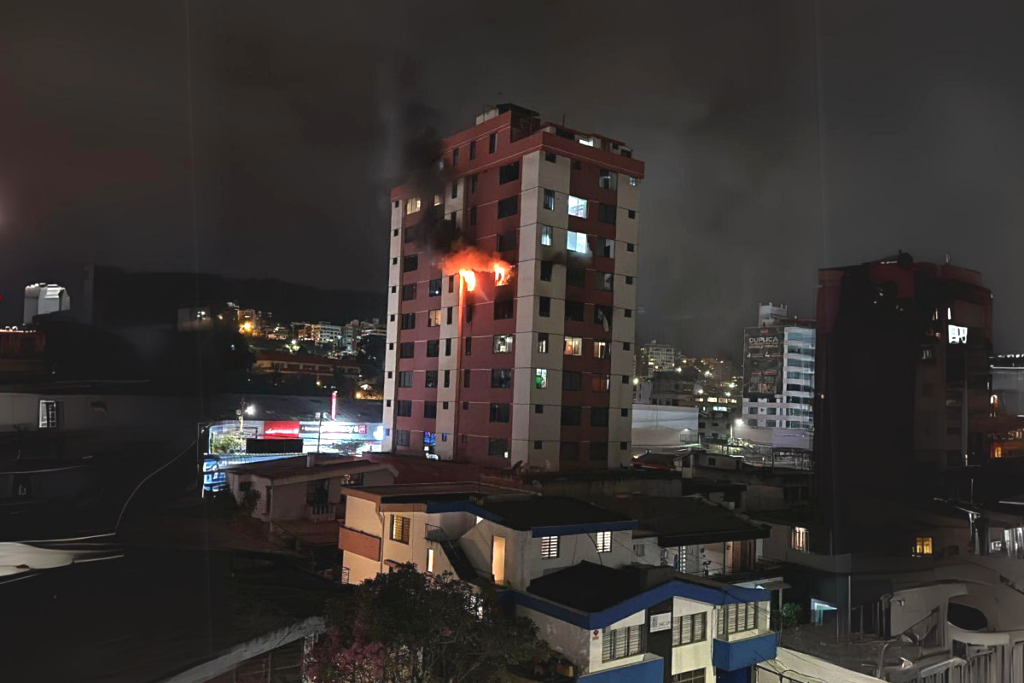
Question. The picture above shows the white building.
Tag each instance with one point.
(778, 382)
(325, 333)
(41, 299)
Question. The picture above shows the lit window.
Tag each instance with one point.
(589, 142)
(400, 529)
(574, 346)
(413, 205)
(577, 207)
(503, 343)
(600, 349)
(542, 379)
(437, 200)
(632, 181)
(48, 414)
(549, 547)
(430, 560)
(434, 318)
(542, 342)
(576, 241)
(546, 234)
(923, 546)
(798, 539)
(603, 541)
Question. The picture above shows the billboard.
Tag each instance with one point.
(762, 361)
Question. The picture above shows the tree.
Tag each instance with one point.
(408, 626)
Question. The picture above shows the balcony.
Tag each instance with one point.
(744, 649)
(322, 512)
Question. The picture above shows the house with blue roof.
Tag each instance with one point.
(568, 565)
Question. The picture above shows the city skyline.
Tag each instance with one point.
(733, 141)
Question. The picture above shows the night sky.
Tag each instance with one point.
(763, 163)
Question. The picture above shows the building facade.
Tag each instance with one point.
(655, 357)
(778, 381)
(534, 366)
(913, 341)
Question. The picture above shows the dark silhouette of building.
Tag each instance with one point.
(903, 394)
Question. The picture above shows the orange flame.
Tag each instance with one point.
(469, 261)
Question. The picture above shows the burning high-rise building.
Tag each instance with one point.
(512, 296)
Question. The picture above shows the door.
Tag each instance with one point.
(498, 559)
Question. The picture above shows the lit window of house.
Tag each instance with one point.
(502, 343)
(573, 346)
(798, 539)
(542, 378)
(430, 560)
(923, 546)
(603, 541)
(546, 235)
(577, 207)
(400, 529)
(549, 547)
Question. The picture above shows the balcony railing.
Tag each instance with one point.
(320, 512)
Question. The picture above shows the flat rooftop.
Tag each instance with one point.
(286, 468)
(681, 521)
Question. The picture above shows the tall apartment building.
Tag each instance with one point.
(530, 365)
(655, 357)
(910, 342)
(778, 381)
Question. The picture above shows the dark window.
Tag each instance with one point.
(538, 408)
(607, 179)
(629, 246)
(575, 276)
(545, 307)
(405, 378)
(451, 314)
(472, 215)
(572, 381)
(472, 150)
(508, 207)
(546, 268)
(632, 213)
(410, 263)
(606, 213)
(571, 416)
(469, 346)
(465, 406)
(408, 292)
(574, 311)
(499, 412)
(402, 437)
(406, 350)
(434, 287)
(469, 313)
(603, 316)
(504, 310)
(599, 417)
(473, 180)
(599, 451)
(501, 378)
(623, 445)
(447, 378)
(604, 281)
(508, 173)
(629, 279)
(629, 312)
(403, 408)
(625, 379)
(492, 143)
(455, 194)
(410, 233)
(576, 165)
(431, 380)
(507, 241)
(538, 444)
(466, 375)
(455, 157)
(549, 200)
(430, 409)
(569, 450)
(408, 321)
(625, 412)
(600, 383)
(551, 157)
(497, 447)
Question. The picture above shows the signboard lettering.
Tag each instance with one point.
(661, 622)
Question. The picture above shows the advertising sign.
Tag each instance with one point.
(661, 622)
(762, 361)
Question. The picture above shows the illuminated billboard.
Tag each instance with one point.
(762, 361)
